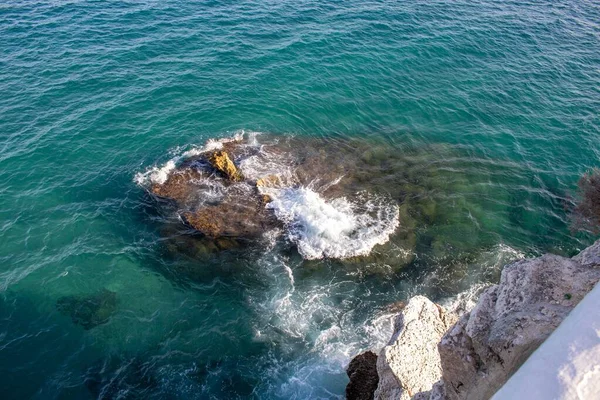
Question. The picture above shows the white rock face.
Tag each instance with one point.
(430, 358)
(410, 363)
(567, 364)
(511, 320)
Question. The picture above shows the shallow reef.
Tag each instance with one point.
(89, 310)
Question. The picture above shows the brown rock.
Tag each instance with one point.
(221, 162)
(362, 372)
(179, 186)
(271, 181)
(202, 222)
(266, 198)
(232, 218)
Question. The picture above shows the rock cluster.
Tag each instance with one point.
(430, 357)
(240, 213)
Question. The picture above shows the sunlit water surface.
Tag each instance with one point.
(475, 121)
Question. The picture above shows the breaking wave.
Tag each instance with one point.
(347, 226)
(338, 228)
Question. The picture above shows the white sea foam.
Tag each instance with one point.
(336, 228)
(320, 228)
(268, 163)
(160, 174)
(316, 332)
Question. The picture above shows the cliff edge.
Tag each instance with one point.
(434, 354)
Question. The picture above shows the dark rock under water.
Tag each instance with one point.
(89, 311)
(228, 192)
(208, 213)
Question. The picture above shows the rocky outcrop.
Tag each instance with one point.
(248, 219)
(362, 372)
(221, 162)
(511, 320)
(239, 213)
(227, 189)
(418, 330)
(565, 366)
(429, 358)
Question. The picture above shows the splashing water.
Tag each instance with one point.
(338, 228)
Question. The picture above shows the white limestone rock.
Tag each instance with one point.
(566, 366)
(512, 319)
(410, 364)
(432, 357)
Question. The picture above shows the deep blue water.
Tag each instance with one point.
(480, 117)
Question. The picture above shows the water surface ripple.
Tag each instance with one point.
(479, 118)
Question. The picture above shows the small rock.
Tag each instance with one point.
(271, 181)
(362, 372)
(221, 162)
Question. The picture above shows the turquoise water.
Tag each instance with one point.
(481, 114)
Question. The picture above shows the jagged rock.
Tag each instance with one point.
(221, 162)
(89, 311)
(512, 319)
(270, 181)
(478, 354)
(410, 363)
(362, 372)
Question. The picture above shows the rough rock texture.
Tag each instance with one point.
(566, 365)
(512, 319)
(270, 181)
(362, 372)
(179, 186)
(221, 162)
(480, 352)
(232, 219)
(419, 328)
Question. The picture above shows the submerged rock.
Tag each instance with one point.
(91, 310)
(267, 169)
(362, 372)
(179, 186)
(232, 218)
(289, 185)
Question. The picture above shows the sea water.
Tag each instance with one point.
(477, 119)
